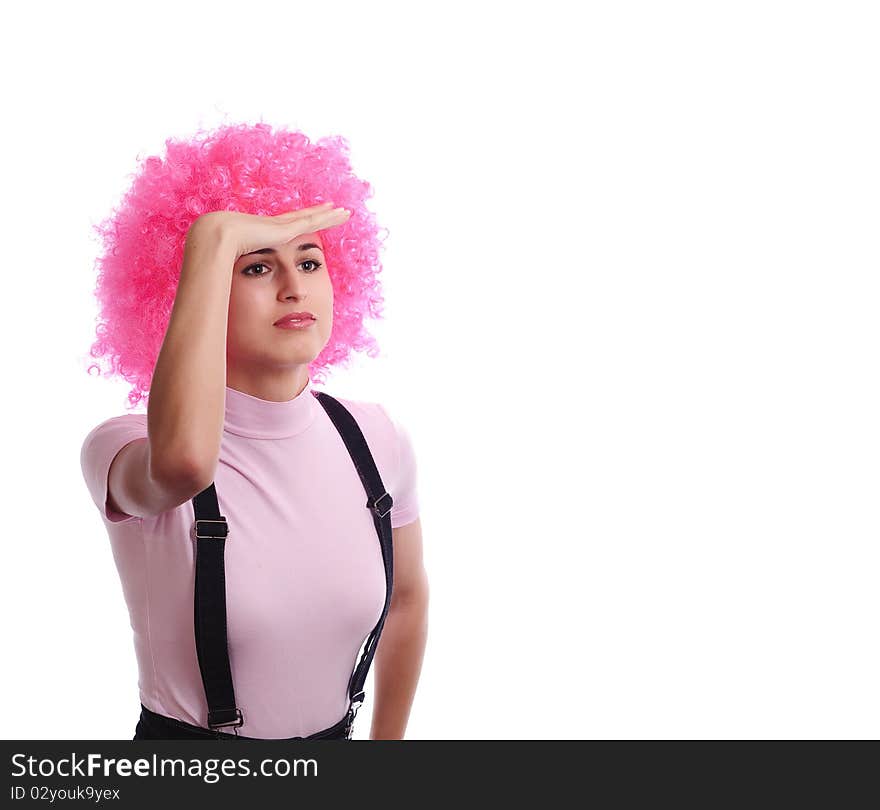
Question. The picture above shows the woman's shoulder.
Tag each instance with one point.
(120, 425)
(387, 435)
(377, 418)
(367, 412)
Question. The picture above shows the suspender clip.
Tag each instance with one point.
(234, 723)
(356, 702)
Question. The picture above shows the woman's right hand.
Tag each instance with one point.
(245, 233)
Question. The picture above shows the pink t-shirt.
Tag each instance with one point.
(305, 582)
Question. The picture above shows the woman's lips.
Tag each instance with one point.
(296, 323)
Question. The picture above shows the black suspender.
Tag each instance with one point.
(211, 531)
(379, 503)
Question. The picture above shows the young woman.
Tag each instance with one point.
(266, 533)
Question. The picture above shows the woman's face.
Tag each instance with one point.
(262, 358)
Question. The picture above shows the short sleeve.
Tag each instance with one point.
(98, 451)
(404, 492)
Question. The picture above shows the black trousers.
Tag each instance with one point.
(152, 726)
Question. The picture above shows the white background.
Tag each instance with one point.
(631, 324)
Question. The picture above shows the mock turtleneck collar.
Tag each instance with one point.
(256, 418)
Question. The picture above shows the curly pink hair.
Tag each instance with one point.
(237, 167)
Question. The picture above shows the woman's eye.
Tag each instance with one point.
(246, 272)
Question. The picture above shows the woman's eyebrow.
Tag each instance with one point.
(304, 246)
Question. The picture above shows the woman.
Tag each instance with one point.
(263, 530)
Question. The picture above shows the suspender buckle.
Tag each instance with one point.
(220, 532)
(381, 511)
(212, 724)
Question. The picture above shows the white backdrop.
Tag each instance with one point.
(631, 291)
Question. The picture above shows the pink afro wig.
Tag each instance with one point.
(239, 167)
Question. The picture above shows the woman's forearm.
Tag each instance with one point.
(397, 665)
(187, 398)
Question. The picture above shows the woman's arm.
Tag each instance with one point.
(187, 398)
(398, 659)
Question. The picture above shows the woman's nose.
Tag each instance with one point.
(290, 283)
